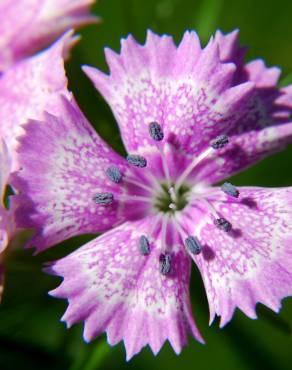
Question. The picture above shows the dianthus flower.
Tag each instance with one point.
(27, 84)
(27, 26)
(6, 223)
(189, 118)
(26, 89)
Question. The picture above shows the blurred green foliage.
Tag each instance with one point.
(31, 335)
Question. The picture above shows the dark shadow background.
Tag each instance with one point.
(31, 336)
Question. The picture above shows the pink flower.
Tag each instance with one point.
(30, 87)
(189, 118)
(27, 26)
(27, 83)
(26, 89)
(6, 220)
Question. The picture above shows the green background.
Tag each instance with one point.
(31, 335)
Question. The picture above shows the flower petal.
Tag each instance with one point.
(253, 262)
(63, 166)
(188, 91)
(5, 165)
(229, 48)
(243, 151)
(114, 288)
(6, 222)
(195, 95)
(30, 87)
(40, 23)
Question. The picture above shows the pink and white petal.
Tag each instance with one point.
(63, 166)
(41, 23)
(187, 90)
(230, 49)
(5, 228)
(263, 76)
(112, 287)
(285, 99)
(200, 94)
(243, 151)
(12, 24)
(29, 88)
(5, 166)
(6, 222)
(253, 262)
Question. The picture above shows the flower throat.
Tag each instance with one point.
(171, 200)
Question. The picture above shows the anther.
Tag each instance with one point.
(114, 174)
(223, 224)
(144, 245)
(155, 131)
(103, 198)
(137, 160)
(165, 263)
(230, 189)
(193, 245)
(219, 142)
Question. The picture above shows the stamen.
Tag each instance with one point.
(165, 263)
(191, 167)
(135, 198)
(155, 131)
(140, 184)
(103, 198)
(164, 164)
(209, 206)
(230, 189)
(164, 224)
(223, 224)
(172, 206)
(137, 160)
(193, 245)
(114, 174)
(191, 242)
(219, 142)
(144, 245)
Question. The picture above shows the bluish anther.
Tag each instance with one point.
(230, 189)
(223, 224)
(103, 198)
(165, 263)
(137, 160)
(144, 245)
(114, 174)
(155, 131)
(219, 142)
(193, 245)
